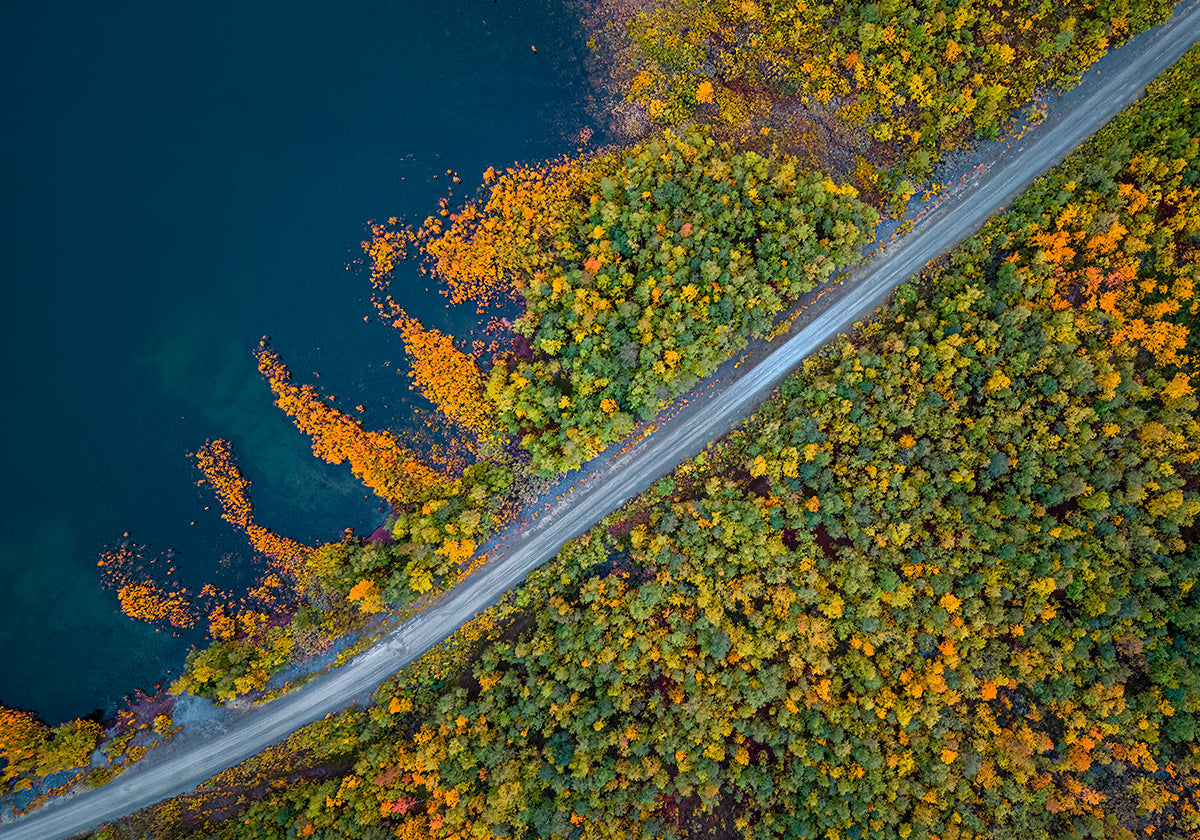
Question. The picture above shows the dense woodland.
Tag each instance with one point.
(685, 250)
(941, 585)
(898, 82)
(638, 271)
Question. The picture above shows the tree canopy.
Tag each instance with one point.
(941, 586)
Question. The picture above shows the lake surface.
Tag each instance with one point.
(179, 182)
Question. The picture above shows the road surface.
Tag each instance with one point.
(177, 768)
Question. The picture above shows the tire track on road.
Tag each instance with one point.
(709, 413)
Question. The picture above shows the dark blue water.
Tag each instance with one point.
(179, 181)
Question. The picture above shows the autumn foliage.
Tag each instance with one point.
(377, 458)
(29, 749)
(430, 546)
(487, 254)
(387, 246)
(941, 586)
(686, 250)
(21, 737)
(918, 77)
(639, 270)
(1120, 251)
(216, 461)
(449, 378)
(149, 602)
(142, 592)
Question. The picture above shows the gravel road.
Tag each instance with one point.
(179, 767)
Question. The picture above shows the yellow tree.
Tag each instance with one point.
(22, 737)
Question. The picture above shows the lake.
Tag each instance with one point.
(182, 180)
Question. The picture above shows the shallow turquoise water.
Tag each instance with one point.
(182, 181)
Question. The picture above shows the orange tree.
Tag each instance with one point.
(216, 461)
(943, 585)
(29, 749)
(449, 378)
(684, 251)
(488, 253)
(125, 570)
(1114, 236)
(377, 458)
(22, 738)
(640, 271)
(921, 74)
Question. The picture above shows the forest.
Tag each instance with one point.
(888, 86)
(941, 585)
